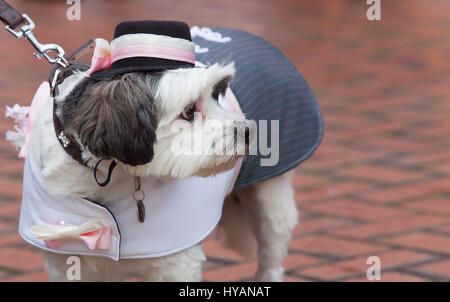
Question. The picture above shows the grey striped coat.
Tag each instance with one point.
(268, 87)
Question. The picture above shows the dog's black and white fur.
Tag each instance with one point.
(128, 118)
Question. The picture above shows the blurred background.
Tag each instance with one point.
(379, 183)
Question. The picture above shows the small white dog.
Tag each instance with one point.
(129, 119)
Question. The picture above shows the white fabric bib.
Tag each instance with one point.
(179, 214)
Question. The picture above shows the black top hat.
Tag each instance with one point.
(149, 46)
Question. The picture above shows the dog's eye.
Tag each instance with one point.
(188, 113)
(221, 87)
(217, 92)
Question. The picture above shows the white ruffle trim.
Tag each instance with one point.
(20, 115)
(207, 34)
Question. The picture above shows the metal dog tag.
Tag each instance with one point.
(140, 211)
(139, 196)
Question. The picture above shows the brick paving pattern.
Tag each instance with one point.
(379, 183)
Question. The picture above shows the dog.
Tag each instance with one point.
(126, 115)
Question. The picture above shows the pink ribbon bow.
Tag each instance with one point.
(101, 58)
(100, 239)
(95, 234)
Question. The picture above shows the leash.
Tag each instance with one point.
(13, 20)
(22, 26)
(63, 67)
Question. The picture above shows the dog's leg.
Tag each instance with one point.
(185, 266)
(273, 213)
(276, 215)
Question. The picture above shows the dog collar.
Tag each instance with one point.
(57, 76)
(69, 143)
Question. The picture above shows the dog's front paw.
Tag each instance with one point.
(269, 275)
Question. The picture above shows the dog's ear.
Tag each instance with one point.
(116, 118)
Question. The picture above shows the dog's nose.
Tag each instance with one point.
(247, 136)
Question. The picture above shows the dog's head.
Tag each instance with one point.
(166, 124)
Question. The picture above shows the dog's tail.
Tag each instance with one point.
(235, 230)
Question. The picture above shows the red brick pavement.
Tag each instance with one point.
(378, 185)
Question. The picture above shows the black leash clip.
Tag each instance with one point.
(43, 50)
